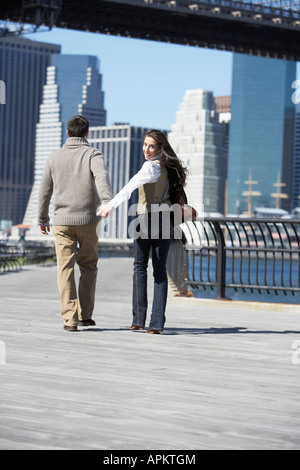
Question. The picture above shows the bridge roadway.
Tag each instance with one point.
(221, 376)
(238, 26)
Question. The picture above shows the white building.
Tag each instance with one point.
(199, 140)
(48, 139)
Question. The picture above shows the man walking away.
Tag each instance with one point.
(77, 176)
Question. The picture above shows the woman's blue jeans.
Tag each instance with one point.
(160, 249)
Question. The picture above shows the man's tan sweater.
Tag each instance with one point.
(77, 176)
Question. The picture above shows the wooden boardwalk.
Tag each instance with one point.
(222, 376)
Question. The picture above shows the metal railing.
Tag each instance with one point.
(14, 256)
(252, 255)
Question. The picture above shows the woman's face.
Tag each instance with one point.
(150, 148)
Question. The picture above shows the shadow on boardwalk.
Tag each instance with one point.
(223, 331)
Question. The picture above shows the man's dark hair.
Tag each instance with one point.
(78, 126)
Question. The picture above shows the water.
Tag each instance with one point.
(280, 271)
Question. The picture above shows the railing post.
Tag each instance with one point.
(184, 271)
(221, 261)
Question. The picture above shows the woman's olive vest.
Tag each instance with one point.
(154, 193)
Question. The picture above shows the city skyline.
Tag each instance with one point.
(144, 81)
(166, 71)
(149, 68)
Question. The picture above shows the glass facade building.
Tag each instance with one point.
(23, 65)
(261, 137)
(79, 88)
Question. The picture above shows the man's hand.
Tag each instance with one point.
(45, 229)
(105, 210)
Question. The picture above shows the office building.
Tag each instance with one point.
(261, 136)
(199, 139)
(73, 86)
(23, 65)
(122, 147)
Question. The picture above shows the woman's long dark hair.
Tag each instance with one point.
(177, 172)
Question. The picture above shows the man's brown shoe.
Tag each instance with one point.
(70, 328)
(154, 332)
(135, 327)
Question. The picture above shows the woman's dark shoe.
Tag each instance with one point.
(154, 332)
(135, 327)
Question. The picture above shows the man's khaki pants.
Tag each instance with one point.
(76, 307)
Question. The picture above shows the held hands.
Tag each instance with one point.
(105, 210)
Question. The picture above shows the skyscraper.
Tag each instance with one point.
(23, 65)
(199, 139)
(73, 86)
(79, 88)
(261, 131)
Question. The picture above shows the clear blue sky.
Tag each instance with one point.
(145, 81)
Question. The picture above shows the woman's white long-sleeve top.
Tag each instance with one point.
(149, 173)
